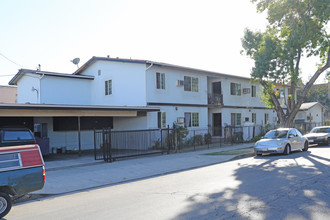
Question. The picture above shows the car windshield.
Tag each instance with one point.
(17, 135)
(274, 134)
(319, 130)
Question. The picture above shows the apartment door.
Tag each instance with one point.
(217, 128)
(216, 88)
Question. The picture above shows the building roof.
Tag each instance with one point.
(21, 72)
(308, 105)
(149, 63)
(30, 110)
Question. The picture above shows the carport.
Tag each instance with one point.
(64, 117)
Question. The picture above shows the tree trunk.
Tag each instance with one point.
(289, 118)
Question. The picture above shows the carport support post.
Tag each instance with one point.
(79, 139)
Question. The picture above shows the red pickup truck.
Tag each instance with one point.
(21, 166)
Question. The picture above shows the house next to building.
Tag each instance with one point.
(127, 94)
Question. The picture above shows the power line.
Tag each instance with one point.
(10, 60)
(7, 75)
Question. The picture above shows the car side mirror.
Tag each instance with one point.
(291, 135)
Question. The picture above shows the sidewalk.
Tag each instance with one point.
(69, 175)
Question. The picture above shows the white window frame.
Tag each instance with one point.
(253, 91)
(235, 89)
(160, 80)
(191, 119)
(191, 84)
(108, 87)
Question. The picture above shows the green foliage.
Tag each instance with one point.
(256, 138)
(318, 93)
(156, 144)
(296, 28)
(207, 138)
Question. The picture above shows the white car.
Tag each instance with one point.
(282, 140)
(319, 135)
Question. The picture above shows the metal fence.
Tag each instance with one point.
(111, 145)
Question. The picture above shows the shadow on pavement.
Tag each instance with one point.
(275, 188)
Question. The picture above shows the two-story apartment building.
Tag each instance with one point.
(160, 93)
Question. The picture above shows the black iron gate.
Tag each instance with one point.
(111, 145)
(102, 145)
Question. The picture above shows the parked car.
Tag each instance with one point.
(12, 136)
(282, 140)
(21, 166)
(319, 135)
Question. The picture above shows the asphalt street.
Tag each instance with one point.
(269, 187)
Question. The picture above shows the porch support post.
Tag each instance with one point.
(79, 138)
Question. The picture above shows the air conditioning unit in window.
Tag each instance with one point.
(246, 90)
(179, 83)
(180, 120)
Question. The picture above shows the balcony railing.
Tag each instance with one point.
(215, 99)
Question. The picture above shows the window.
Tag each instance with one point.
(187, 119)
(191, 119)
(254, 91)
(194, 84)
(266, 118)
(235, 89)
(236, 119)
(108, 87)
(160, 80)
(187, 83)
(190, 84)
(161, 119)
(195, 119)
(254, 118)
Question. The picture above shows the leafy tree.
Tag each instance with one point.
(296, 28)
(318, 94)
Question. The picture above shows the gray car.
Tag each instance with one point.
(319, 135)
(281, 141)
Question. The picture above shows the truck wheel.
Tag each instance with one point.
(5, 204)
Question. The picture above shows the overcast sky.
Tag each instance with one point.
(204, 34)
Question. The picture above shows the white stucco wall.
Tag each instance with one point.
(25, 91)
(130, 123)
(66, 139)
(128, 83)
(245, 113)
(173, 93)
(236, 100)
(315, 112)
(63, 90)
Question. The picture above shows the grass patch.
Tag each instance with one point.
(233, 152)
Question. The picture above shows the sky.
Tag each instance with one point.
(202, 34)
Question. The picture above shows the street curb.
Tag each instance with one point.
(73, 166)
(241, 156)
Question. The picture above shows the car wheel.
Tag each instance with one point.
(5, 204)
(305, 146)
(287, 149)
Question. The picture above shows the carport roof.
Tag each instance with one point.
(49, 110)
